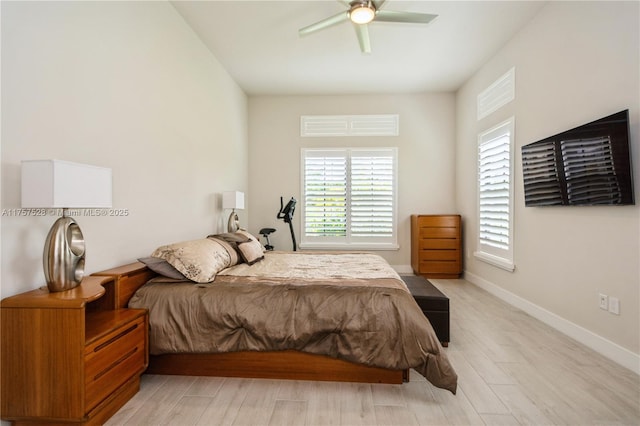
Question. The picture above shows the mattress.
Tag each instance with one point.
(351, 306)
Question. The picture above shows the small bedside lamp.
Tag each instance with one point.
(55, 184)
(233, 200)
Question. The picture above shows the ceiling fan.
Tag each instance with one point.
(361, 13)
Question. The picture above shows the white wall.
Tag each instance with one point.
(425, 156)
(125, 85)
(575, 62)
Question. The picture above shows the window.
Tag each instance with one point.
(495, 196)
(500, 93)
(349, 198)
(349, 125)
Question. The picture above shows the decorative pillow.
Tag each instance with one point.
(233, 237)
(250, 236)
(251, 251)
(231, 241)
(198, 260)
(162, 267)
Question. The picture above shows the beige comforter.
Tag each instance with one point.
(346, 305)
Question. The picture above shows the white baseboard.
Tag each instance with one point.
(605, 347)
(403, 269)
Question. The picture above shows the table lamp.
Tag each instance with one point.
(55, 184)
(233, 200)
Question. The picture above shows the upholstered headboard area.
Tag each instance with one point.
(127, 279)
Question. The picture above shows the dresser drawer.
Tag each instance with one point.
(439, 233)
(439, 221)
(439, 244)
(113, 359)
(429, 255)
(439, 267)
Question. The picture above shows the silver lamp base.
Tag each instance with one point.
(234, 224)
(64, 252)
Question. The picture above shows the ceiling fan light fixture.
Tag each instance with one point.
(362, 12)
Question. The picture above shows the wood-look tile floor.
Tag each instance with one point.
(513, 370)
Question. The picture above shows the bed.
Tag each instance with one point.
(339, 316)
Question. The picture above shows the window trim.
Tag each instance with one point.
(500, 258)
(343, 243)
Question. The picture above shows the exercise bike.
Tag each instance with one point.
(286, 214)
(265, 232)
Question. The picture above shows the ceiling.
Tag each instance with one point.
(258, 44)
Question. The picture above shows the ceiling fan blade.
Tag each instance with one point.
(378, 3)
(362, 31)
(325, 23)
(409, 17)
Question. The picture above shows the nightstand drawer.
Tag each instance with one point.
(113, 359)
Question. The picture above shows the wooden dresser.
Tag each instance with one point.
(436, 246)
(70, 356)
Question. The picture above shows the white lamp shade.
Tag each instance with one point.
(63, 184)
(233, 200)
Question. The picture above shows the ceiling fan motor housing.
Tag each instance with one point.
(362, 11)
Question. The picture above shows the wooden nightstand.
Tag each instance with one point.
(70, 356)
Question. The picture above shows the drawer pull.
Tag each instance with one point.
(115, 364)
(114, 338)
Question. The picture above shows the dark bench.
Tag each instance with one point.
(434, 304)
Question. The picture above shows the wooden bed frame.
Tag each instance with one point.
(272, 365)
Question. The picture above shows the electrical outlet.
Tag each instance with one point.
(604, 301)
(614, 305)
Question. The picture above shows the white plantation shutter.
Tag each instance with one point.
(349, 125)
(494, 192)
(325, 194)
(349, 198)
(500, 93)
(495, 195)
(372, 194)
